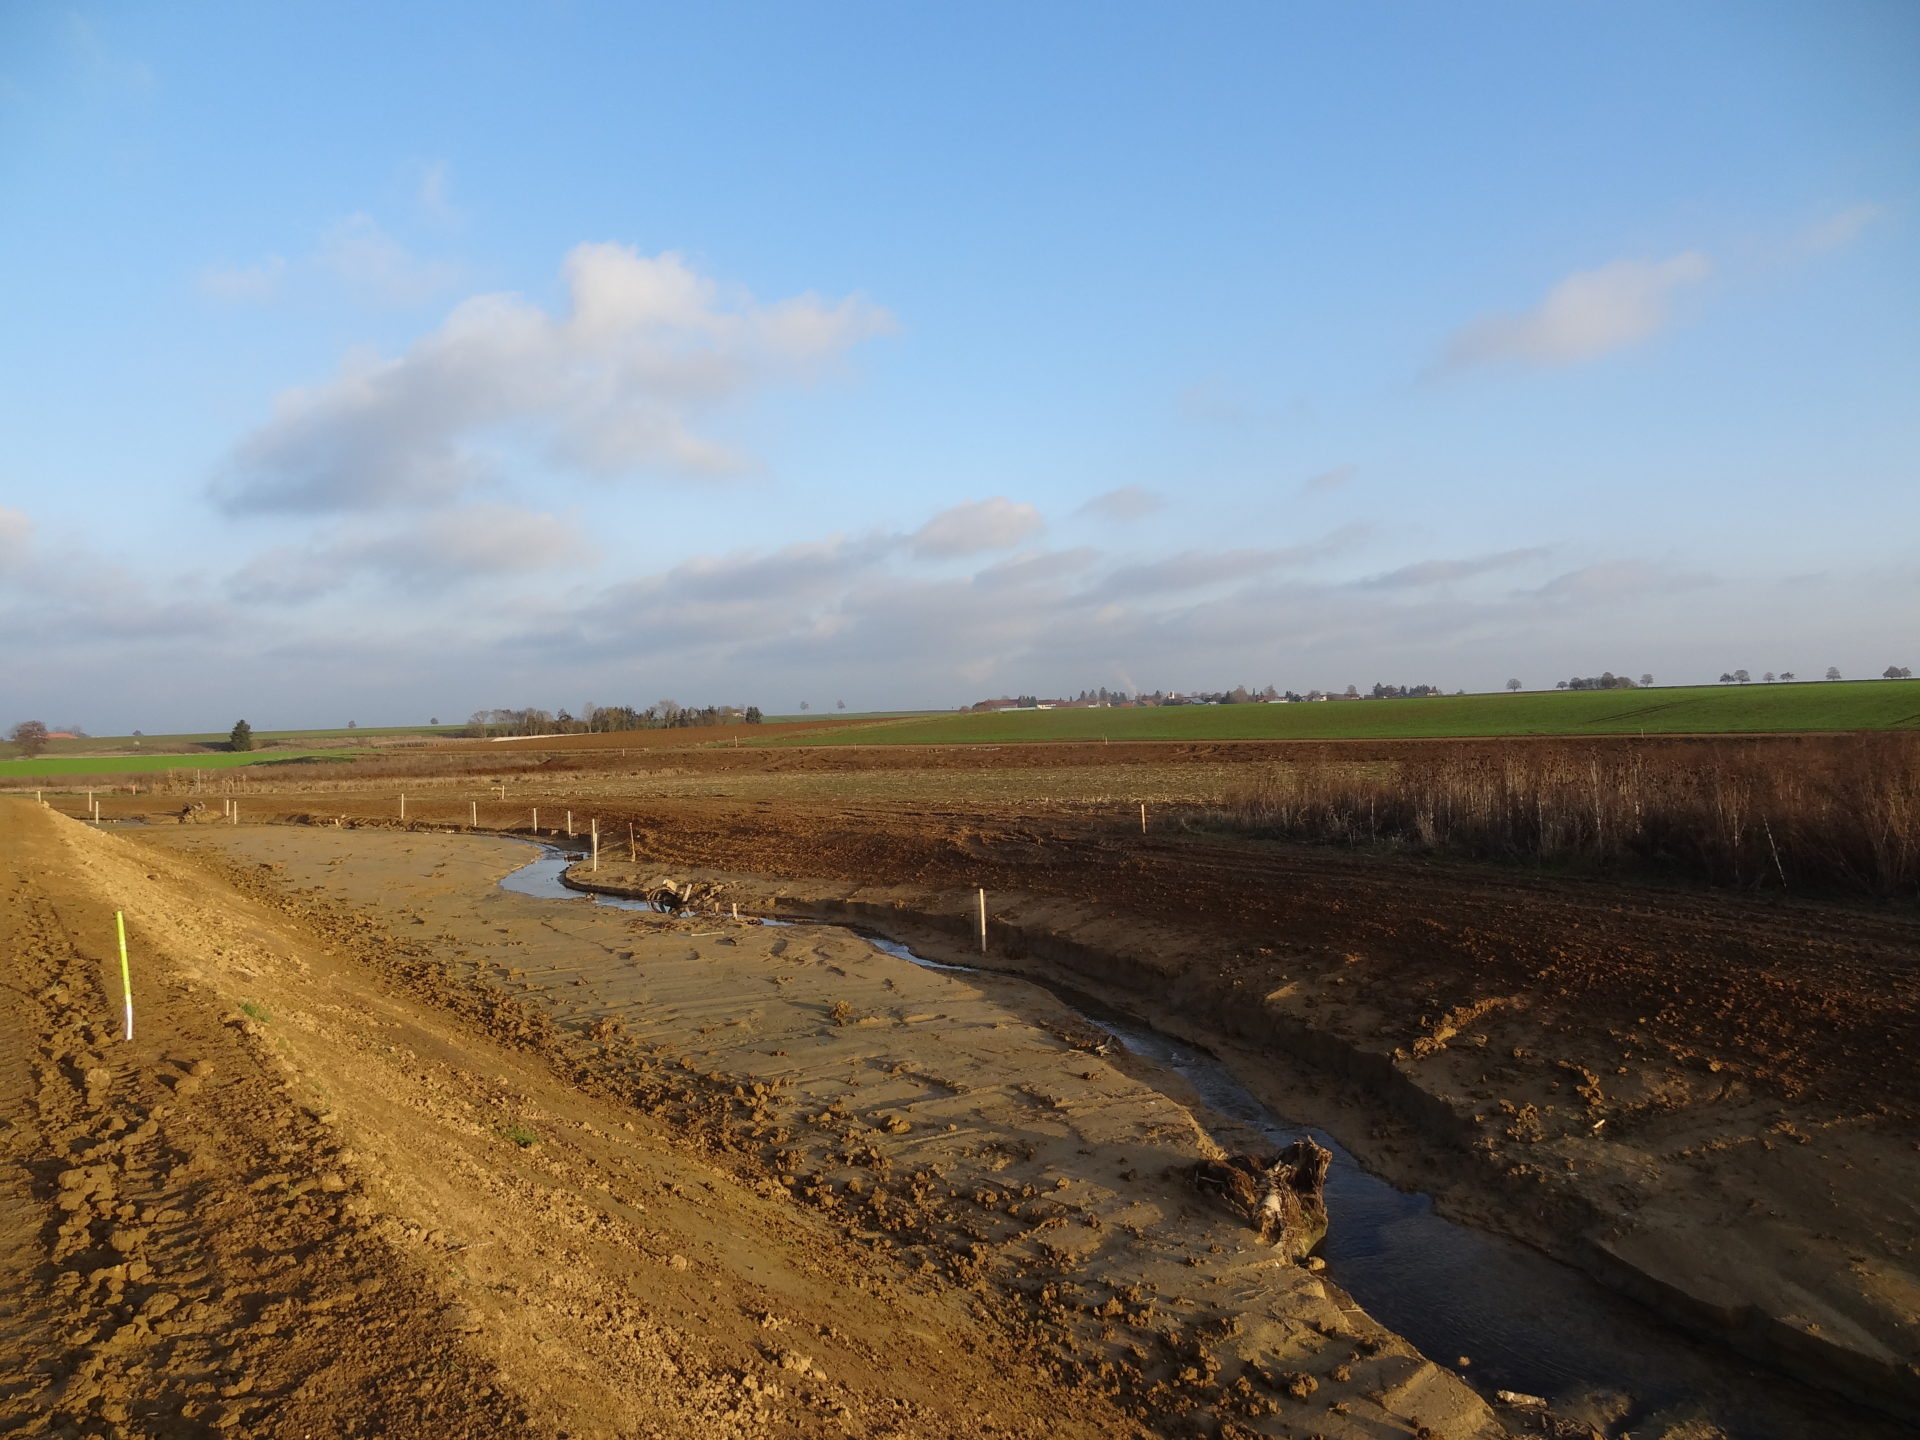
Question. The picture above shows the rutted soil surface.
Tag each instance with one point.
(331, 1188)
(394, 1152)
(1706, 1101)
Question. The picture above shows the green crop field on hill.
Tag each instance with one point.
(189, 744)
(56, 765)
(1695, 710)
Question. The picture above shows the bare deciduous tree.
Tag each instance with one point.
(30, 736)
(1513, 684)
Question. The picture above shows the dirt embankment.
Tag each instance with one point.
(978, 1144)
(1706, 1103)
(326, 1191)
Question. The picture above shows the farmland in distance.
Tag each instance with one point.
(1690, 710)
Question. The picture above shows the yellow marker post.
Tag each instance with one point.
(126, 978)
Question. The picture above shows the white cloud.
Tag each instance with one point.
(369, 264)
(1129, 502)
(1443, 572)
(377, 269)
(1611, 580)
(614, 385)
(1038, 569)
(1211, 401)
(16, 538)
(996, 524)
(1191, 570)
(245, 284)
(1337, 478)
(441, 549)
(1583, 317)
(1839, 230)
(436, 193)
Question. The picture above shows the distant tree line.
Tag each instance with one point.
(1605, 680)
(606, 719)
(1239, 695)
(1743, 677)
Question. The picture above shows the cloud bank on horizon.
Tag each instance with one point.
(794, 404)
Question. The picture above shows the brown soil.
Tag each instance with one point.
(396, 1153)
(1708, 1102)
(295, 1205)
(1705, 1100)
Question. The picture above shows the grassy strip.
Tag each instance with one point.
(1697, 710)
(95, 744)
(18, 771)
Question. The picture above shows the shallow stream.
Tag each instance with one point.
(1503, 1315)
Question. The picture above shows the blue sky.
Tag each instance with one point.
(373, 363)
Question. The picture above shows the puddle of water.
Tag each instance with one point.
(1526, 1322)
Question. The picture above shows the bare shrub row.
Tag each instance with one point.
(1843, 815)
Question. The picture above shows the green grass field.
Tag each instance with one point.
(54, 765)
(854, 715)
(189, 744)
(1707, 709)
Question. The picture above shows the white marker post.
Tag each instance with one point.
(403, 809)
(1143, 817)
(633, 855)
(569, 824)
(126, 978)
(596, 844)
(473, 814)
(983, 921)
(536, 819)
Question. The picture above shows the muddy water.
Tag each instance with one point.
(1504, 1316)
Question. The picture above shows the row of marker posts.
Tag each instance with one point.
(233, 817)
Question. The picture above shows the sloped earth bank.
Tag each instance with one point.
(1708, 1102)
(917, 1064)
(335, 1188)
(367, 1168)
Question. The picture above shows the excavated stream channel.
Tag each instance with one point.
(1503, 1315)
